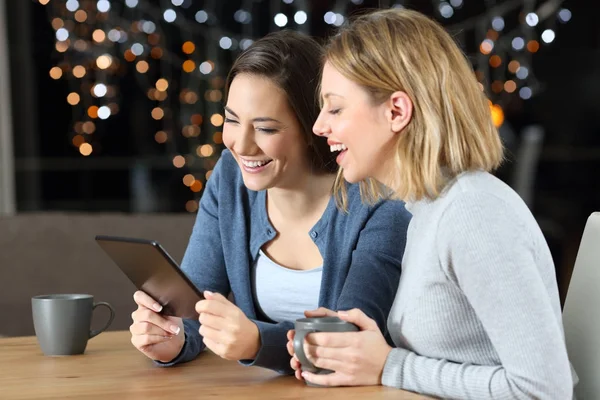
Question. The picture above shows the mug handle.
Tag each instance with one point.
(110, 318)
(299, 350)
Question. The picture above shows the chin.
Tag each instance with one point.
(255, 185)
(352, 177)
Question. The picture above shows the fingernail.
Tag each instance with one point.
(157, 307)
(343, 313)
(208, 293)
(304, 374)
(175, 329)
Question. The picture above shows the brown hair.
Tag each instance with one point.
(292, 61)
(451, 129)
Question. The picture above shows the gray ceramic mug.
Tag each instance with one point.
(62, 322)
(304, 326)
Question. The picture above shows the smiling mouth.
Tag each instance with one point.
(254, 164)
(337, 147)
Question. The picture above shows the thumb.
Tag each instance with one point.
(215, 296)
(320, 312)
(358, 318)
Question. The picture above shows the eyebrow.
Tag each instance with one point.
(330, 94)
(257, 119)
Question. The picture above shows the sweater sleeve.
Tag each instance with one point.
(273, 352)
(492, 258)
(374, 273)
(203, 261)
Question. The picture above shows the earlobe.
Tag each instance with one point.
(401, 108)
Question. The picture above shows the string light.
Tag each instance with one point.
(178, 161)
(196, 186)
(86, 149)
(188, 179)
(55, 72)
(160, 137)
(497, 114)
(191, 206)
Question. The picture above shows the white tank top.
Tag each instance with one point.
(283, 294)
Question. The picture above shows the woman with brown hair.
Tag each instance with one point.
(268, 231)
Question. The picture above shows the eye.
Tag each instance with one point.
(231, 121)
(267, 130)
(335, 111)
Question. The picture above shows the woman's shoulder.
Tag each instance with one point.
(480, 189)
(385, 210)
(481, 196)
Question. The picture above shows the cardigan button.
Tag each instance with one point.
(269, 231)
(314, 234)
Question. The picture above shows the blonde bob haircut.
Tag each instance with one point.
(451, 129)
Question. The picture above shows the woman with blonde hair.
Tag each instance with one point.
(477, 313)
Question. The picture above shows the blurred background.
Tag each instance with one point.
(115, 106)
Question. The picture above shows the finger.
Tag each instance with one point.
(320, 312)
(143, 314)
(333, 365)
(295, 364)
(332, 339)
(315, 353)
(360, 319)
(144, 341)
(297, 367)
(146, 328)
(213, 321)
(216, 296)
(210, 333)
(213, 307)
(214, 346)
(290, 334)
(290, 347)
(142, 299)
(334, 379)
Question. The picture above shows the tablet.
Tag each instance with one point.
(153, 270)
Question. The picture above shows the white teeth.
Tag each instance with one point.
(254, 164)
(337, 147)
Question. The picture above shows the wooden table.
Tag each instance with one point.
(112, 368)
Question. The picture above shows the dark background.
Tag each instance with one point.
(128, 171)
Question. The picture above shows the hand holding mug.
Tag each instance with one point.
(158, 337)
(357, 358)
(294, 362)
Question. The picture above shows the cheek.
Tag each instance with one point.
(289, 149)
(270, 145)
(345, 130)
(227, 138)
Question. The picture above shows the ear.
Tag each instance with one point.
(399, 111)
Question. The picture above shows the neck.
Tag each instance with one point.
(308, 196)
(387, 172)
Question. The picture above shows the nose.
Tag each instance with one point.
(245, 143)
(320, 127)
